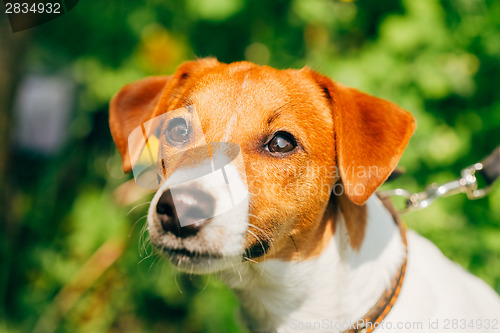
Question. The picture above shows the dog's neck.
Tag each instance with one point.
(336, 288)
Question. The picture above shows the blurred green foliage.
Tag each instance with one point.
(438, 59)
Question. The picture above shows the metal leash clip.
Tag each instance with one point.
(467, 184)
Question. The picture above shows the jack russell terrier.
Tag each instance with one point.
(305, 243)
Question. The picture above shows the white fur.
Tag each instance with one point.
(337, 287)
(332, 292)
(437, 290)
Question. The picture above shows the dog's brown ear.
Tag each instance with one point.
(370, 136)
(142, 100)
(134, 104)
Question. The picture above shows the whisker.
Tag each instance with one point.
(143, 240)
(135, 223)
(258, 239)
(157, 255)
(270, 240)
(294, 244)
(261, 230)
(149, 256)
(154, 261)
(177, 283)
(251, 260)
(236, 270)
(206, 284)
(140, 240)
(137, 206)
(239, 273)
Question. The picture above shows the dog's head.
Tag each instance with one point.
(298, 137)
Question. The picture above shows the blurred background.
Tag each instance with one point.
(74, 255)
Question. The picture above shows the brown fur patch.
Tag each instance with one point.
(355, 218)
(309, 243)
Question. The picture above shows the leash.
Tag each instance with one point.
(488, 169)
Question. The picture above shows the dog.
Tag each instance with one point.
(309, 246)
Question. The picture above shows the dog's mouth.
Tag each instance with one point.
(252, 252)
(203, 261)
(183, 252)
(197, 262)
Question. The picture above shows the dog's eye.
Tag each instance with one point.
(177, 131)
(282, 142)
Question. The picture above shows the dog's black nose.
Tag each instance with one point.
(188, 214)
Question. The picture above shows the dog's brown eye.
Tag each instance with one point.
(177, 131)
(282, 142)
